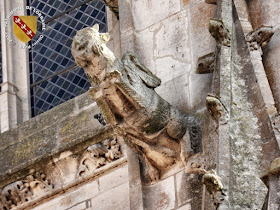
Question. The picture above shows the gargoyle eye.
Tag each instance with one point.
(81, 47)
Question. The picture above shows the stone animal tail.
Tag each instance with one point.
(195, 133)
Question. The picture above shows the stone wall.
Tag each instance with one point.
(65, 159)
(56, 151)
(169, 37)
(110, 191)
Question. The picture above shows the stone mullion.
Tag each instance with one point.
(272, 179)
(224, 92)
(14, 107)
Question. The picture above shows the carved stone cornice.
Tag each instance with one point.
(62, 172)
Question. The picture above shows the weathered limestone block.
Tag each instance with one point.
(124, 91)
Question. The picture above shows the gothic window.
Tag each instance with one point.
(54, 76)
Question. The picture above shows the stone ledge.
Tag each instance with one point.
(67, 148)
(52, 132)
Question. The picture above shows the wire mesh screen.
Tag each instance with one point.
(54, 76)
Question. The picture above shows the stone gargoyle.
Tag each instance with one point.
(160, 134)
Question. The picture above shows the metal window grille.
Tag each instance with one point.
(54, 76)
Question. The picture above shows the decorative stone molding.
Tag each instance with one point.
(259, 38)
(219, 32)
(83, 165)
(160, 134)
(25, 190)
(99, 155)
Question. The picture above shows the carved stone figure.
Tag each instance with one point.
(99, 155)
(219, 32)
(23, 191)
(260, 37)
(124, 92)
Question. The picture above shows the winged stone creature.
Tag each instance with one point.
(157, 132)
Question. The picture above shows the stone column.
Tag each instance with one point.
(14, 97)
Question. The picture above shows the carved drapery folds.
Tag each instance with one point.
(124, 91)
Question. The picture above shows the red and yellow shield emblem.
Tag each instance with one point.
(25, 27)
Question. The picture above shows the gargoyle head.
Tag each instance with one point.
(90, 51)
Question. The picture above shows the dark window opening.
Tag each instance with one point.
(54, 76)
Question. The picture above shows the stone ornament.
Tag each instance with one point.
(259, 38)
(214, 186)
(219, 32)
(37, 184)
(25, 190)
(124, 91)
(99, 155)
(206, 64)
